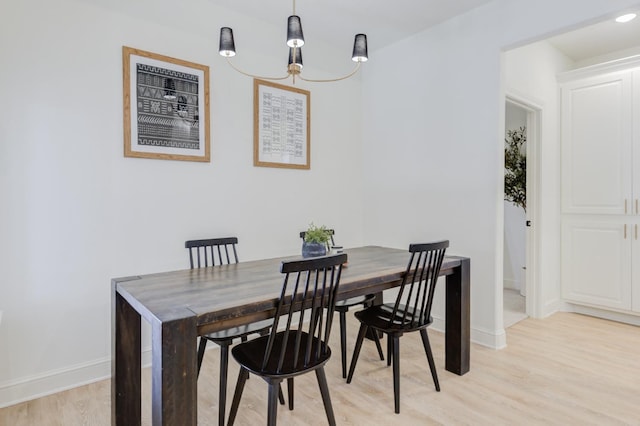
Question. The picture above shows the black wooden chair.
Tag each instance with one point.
(342, 307)
(297, 344)
(212, 252)
(410, 312)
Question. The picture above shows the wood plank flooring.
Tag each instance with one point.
(568, 369)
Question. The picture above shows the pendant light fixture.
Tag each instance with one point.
(295, 41)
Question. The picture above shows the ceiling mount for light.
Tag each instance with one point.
(295, 40)
(625, 18)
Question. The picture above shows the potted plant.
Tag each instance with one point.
(515, 164)
(315, 241)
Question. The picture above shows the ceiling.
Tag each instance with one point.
(337, 21)
(386, 22)
(599, 39)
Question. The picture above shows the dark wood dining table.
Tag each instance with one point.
(181, 305)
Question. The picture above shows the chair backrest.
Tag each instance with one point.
(203, 252)
(309, 290)
(330, 243)
(412, 307)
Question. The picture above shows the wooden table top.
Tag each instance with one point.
(227, 295)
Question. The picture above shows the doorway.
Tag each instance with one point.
(521, 147)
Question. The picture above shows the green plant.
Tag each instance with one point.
(515, 167)
(316, 234)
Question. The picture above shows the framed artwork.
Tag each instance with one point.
(281, 131)
(166, 107)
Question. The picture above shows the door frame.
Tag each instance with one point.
(533, 110)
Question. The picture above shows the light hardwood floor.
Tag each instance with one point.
(514, 309)
(568, 369)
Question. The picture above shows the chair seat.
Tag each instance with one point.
(250, 355)
(260, 327)
(377, 317)
(344, 305)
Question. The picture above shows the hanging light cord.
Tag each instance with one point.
(253, 75)
(332, 79)
(310, 80)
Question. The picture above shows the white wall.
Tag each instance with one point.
(434, 127)
(75, 213)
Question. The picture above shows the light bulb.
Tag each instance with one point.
(626, 18)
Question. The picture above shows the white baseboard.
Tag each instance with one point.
(37, 386)
(488, 338)
(15, 392)
(493, 339)
(602, 313)
(511, 284)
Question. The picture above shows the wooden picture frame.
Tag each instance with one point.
(166, 107)
(281, 128)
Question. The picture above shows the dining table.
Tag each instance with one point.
(182, 305)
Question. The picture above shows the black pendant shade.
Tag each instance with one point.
(169, 89)
(360, 53)
(297, 52)
(227, 45)
(294, 32)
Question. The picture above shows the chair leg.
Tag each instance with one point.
(356, 351)
(224, 366)
(389, 350)
(375, 334)
(432, 364)
(201, 347)
(324, 390)
(378, 346)
(242, 378)
(396, 372)
(272, 410)
(280, 395)
(343, 342)
(242, 340)
(290, 390)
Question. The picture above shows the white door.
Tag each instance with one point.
(596, 145)
(596, 262)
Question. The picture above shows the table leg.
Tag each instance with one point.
(125, 366)
(457, 319)
(174, 371)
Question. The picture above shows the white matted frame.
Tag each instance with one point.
(281, 130)
(166, 107)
